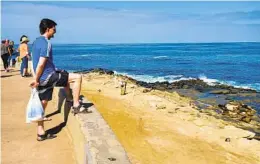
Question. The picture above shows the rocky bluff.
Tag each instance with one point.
(238, 103)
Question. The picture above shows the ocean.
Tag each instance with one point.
(236, 64)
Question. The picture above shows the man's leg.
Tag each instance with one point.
(76, 79)
(68, 94)
(25, 66)
(6, 61)
(24, 71)
(22, 67)
(40, 129)
(41, 133)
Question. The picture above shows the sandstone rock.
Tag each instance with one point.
(236, 133)
(97, 70)
(238, 110)
(243, 110)
(185, 87)
(249, 107)
(234, 90)
(246, 119)
(243, 113)
(198, 122)
(147, 90)
(252, 112)
(112, 159)
(160, 107)
(219, 111)
(235, 103)
(223, 107)
(227, 140)
(232, 114)
(231, 107)
(256, 137)
(220, 91)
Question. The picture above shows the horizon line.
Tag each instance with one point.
(154, 43)
(167, 42)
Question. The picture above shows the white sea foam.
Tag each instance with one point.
(184, 78)
(211, 82)
(79, 56)
(174, 78)
(255, 86)
(86, 55)
(153, 79)
(160, 57)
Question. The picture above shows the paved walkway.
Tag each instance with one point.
(19, 143)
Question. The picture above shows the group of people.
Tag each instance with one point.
(45, 75)
(10, 56)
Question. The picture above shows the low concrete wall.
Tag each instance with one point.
(93, 140)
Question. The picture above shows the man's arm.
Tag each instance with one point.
(39, 70)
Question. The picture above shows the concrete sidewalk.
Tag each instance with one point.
(19, 144)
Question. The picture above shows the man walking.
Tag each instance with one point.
(47, 75)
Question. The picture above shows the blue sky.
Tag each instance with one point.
(135, 22)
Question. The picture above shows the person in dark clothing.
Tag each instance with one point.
(10, 49)
(4, 54)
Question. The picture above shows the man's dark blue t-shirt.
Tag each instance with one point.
(42, 48)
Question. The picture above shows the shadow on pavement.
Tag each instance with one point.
(67, 108)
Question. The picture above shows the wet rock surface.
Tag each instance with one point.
(96, 70)
(238, 110)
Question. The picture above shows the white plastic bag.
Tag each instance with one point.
(34, 110)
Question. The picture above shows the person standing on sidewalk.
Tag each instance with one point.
(47, 75)
(24, 55)
(5, 54)
(10, 49)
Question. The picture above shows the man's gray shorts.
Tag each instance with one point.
(58, 78)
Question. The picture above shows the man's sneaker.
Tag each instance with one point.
(79, 109)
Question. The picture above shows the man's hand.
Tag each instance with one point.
(34, 84)
(28, 56)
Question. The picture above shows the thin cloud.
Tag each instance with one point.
(98, 24)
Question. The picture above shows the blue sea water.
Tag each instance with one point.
(236, 64)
